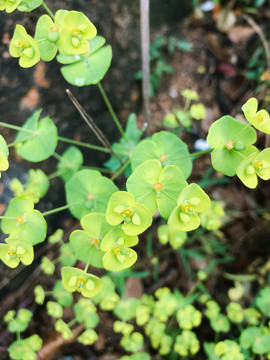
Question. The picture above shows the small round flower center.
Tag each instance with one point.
(75, 31)
(260, 117)
(81, 282)
(20, 43)
(259, 165)
(20, 219)
(54, 28)
(128, 213)
(230, 145)
(11, 251)
(94, 241)
(163, 158)
(116, 250)
(90, 197)
(158, 186)
(187, 208)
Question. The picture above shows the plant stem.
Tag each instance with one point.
(194, 287)
(83, 144)
(121, 169)
(145, 45)
(48, 10)
(72, 322)
(200, 153)
(58, 157)
(61, 208)
(14, 127)
(115, 118)
(188, 101)
(96, 168)
(8, 217)
(18, 335)
(19, 142)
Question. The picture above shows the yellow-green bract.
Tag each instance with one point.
(78, 280)
(259, 119)
(25, 47)
(191, 201)
(122, 208)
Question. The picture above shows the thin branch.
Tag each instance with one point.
(145, 46)
(90, 122)
(261, 35)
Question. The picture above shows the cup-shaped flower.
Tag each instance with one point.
(117, 245)
(190, 94)
(186, 343)
(63, 329)
(175, 238)
(21, 220)
(16, 250)
(189, 317)
(78, 280)
(76, 32)
(3, 155)
(232, 141)
(197, 111)
(256, 164)
(9, 5)
(88, 337)
(191, 201)
(122, 208)
(39, 294)
(23, 46)
(54, 309)
(259, 119)
(47, 35)
(86, 243)
(156, 187)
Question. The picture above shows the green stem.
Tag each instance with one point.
(188, 101)
(79, 143)
(72, 322)
(194, 287)
(121, 169)
(19, 142)
(18, 334)
(17, 128)
(61, 208)
(96, 168)
(48, 10)
(115, 118)
(8, 217)
(200, 153)
(58, 157)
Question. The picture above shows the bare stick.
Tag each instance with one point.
(90, 122)
(261, 35)
(145, 45)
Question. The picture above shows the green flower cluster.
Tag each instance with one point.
(69, 32)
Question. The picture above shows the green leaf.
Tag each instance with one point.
(155, 187)
(3, 146)
(126, 309)
(248, 336)
(47, 35)
(261, 345)
(209, 349)
(263, 301)
(71, 161)
(43, 141)
(89, 191)
(165, 147)
(4, 152)
(231, 141)
(63, 297)
(92, 66)
(87, 243)
(29, 5)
